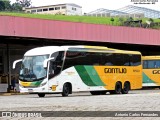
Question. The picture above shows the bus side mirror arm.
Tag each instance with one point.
(46, 61)
(15, 62)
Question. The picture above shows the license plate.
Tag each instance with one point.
(30, 90)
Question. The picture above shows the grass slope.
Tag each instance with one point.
(84, 19)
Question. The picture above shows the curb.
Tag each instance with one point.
(5, 94)
(8, 94)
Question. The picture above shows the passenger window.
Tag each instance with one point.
(151, 64)
(145, 64)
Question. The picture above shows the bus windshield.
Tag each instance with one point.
(32, 68)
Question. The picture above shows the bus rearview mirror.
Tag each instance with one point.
(46, 61)
(15, 62)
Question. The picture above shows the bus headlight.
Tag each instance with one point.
(43, 84)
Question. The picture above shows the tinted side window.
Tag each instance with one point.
(81, 58)
(120, 60)
(58, 55)
(145, 64)
(90, 58)
(116, 59)
(157, 64)
(107, 59)
(151, 64)
(136, 60)
(56, 64)
(127, 59)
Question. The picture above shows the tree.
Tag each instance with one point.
(24, 3)
(129, 22)
(121, 20)
(2, 6)
(19, 4)
(16, 7)
(112, 19)
(130, 19)
(151, 20)
(5, 5)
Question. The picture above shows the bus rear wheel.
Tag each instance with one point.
(126, 88)
(41, 94)
(118, 88)
(66, 90)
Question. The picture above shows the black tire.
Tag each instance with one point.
(66, 90)
(126, 88)
(95, 92)
(118, 88)
(41, 94)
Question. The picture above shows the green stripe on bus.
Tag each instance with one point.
(94, 75)
(89, 75)
(84, 75)
(146, 79)
(37, 83)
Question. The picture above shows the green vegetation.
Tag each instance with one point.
(5, 5)
(84, 19)
(116, 21)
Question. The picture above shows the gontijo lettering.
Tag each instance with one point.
(156, 71)
(115, 70)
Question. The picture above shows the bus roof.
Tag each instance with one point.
(51, 49)
(150, 57)
(43, 50)
(100, 49)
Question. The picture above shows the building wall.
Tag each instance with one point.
(65, 9)
(72, 10)
(47, 10)
(15, 52)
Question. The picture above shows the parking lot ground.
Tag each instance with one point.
(136, 100)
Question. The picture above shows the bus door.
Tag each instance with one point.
(55, 65)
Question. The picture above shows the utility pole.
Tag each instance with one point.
(8, 68)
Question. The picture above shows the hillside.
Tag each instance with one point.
(89, 19)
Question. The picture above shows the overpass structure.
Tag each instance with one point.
(18, 34)
(62, 30)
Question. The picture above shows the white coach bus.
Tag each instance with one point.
(66, 69)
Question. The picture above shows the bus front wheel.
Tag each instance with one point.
(66, 90)
(126, 88)
(41, 94)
